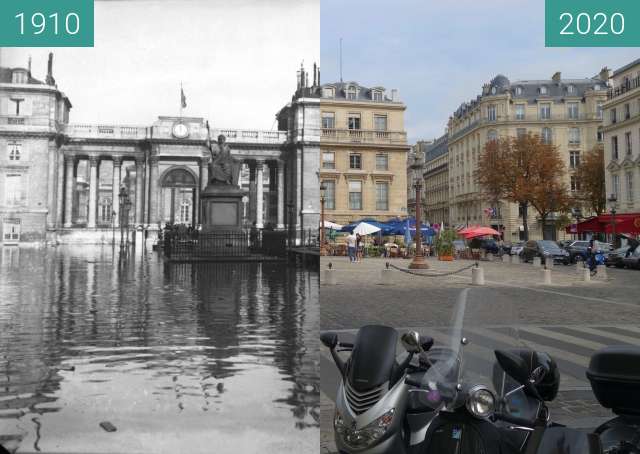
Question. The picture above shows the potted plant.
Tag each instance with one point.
(444, 244)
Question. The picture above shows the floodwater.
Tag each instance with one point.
(179, 358)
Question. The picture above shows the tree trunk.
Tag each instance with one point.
(525, 215)
(543, 221)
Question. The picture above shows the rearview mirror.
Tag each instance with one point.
(329, 339)
(411, 342)
(537, 375)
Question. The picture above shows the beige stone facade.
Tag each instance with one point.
(621, 131)
(363, 156)
(436, 182)
(566, 112)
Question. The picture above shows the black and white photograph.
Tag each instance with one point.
(159, 212)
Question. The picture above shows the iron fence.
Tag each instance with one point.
(224, 244)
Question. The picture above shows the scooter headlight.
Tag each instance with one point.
(368, 435)
(481, 402)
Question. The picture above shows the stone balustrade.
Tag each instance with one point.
(364, 136)
(86, 131)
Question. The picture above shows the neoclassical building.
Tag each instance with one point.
(60, 181)
(436, 181)
(364, 152)
(622, 139)
(565, 112)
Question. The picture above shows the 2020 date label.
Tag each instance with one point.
(592, 23)
(46, 23)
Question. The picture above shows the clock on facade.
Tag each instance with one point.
(180, 131)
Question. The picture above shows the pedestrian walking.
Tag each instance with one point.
(351, 247)
(358, 247)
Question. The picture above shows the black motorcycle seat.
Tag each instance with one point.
(562, 440)
(373, 359)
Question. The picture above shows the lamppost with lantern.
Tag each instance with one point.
(418, 261)
(577, 213)
(125, 205)
(323, 193)
(612, 202)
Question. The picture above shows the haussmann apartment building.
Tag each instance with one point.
(363, 153)
(565, 112)
(621, 131)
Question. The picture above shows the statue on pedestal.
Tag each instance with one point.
(223, 167)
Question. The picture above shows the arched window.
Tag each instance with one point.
(492, 135)
(571, 89)
(352, 92)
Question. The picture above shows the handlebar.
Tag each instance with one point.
(412, 382)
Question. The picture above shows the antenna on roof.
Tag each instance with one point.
(340, 60)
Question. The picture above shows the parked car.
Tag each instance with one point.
(633, 260)
(516, 248)
(616, 257)
(545, 249)
(578, 250)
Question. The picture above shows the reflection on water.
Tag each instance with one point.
(179, 357)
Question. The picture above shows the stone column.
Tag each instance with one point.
(259, 193)
(115, 191)
(280, 194)
(51, 186)
(202, 168)
(60, 190)
(252, 191)
(153, 191)
(93, 192)
(70, 162)
(139, 190)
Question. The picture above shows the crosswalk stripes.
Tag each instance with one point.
(570, 345)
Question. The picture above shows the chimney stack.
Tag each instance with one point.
(394, 95)
(605, 74)
(318, 75)
(556, 77)
(29, 66)
(50, 80)
(315, 74)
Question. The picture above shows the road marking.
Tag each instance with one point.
(563, 337)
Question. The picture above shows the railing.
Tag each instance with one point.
(105, 131)
(364, 136)
(195, 245)
(12, 120)
(622, 89)
(251, 136)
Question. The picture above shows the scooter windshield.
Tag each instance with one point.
(463, 358)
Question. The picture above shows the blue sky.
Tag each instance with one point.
(440, 53)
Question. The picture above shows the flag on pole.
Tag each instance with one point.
(183, 98)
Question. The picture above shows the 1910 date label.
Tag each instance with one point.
(46, 23)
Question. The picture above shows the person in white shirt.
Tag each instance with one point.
(351, 247)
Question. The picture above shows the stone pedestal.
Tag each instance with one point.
(221, 208)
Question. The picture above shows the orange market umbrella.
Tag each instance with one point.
(473, 232)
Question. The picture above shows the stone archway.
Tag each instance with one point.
(178, 196)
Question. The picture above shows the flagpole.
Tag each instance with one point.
(181, 91)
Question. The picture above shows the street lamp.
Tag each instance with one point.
(418, 261)
(612, 201)
(577, 213)
(125, 205)
(323, 193)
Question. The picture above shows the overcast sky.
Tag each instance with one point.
(237, 60)
(440, 53)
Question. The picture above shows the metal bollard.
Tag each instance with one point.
(505, 259)
(546, 276)
(548, 263)
(477, 276)
(515, 259)
(586, 275)
(330, 276)
(537, 262)
(386, 276)
(579, 267)
(602, 271)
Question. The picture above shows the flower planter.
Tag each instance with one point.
(445, 258)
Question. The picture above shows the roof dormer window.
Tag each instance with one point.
(352, 92)
(596, 87)
(328, 92)
(571, 89)
(518, 91)
(376, 95)
(543, 90)
(494, 90)
(19, 76)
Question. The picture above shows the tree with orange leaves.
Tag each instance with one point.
(590, 176)
(526, 171)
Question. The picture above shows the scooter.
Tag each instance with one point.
(376, 412)
(614, 374)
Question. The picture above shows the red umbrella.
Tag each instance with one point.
(479, 231)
